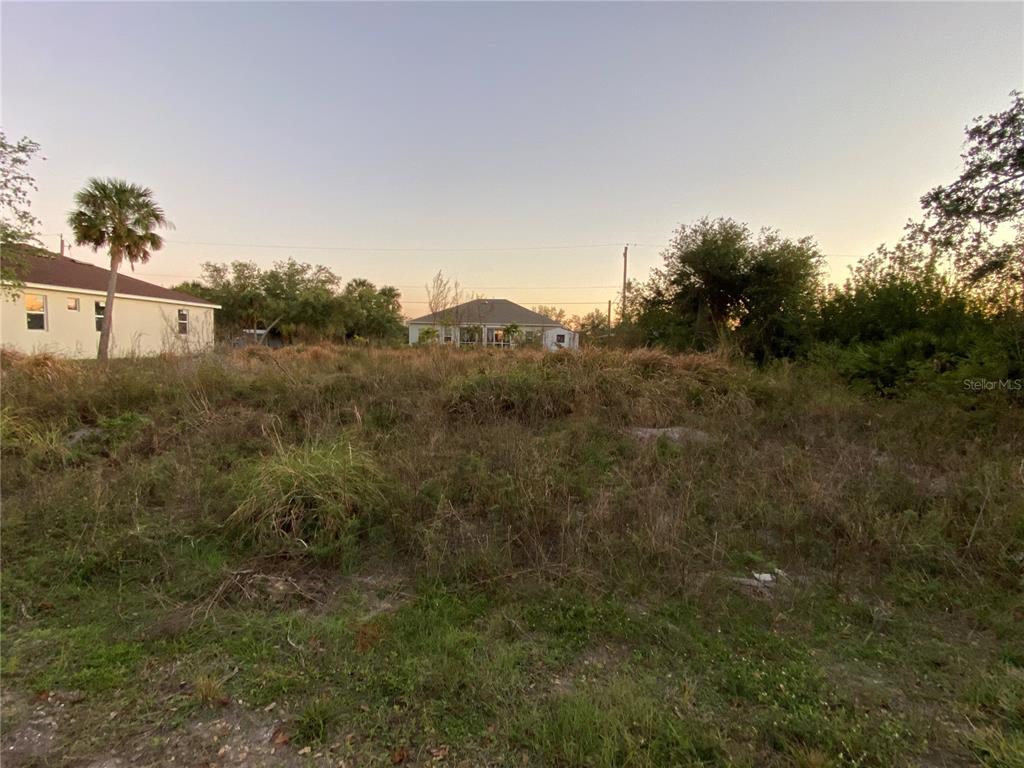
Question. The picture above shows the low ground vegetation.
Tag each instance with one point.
(325, 556)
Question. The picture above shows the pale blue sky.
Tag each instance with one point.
(463, 126)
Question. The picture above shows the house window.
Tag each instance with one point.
(448, 337)
(73, 304)
(35, 311)
(100, 306)
(560, 338)
(182, 321)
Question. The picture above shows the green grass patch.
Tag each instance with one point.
(471, 555)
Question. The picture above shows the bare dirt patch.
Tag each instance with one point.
(285, 584)
(593, 664)
(379, 592)
(235, 737)
(282, 587)
(41, 735)
(33, 736)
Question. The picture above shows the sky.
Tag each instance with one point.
(392, 140)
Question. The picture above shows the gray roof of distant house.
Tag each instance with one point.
(487, 312)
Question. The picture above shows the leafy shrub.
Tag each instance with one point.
(901, 321)
(993, 351)
(886, 298)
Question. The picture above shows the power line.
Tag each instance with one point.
(596, 302)
(423, 249)
(421, 285)
(365, 249)
(520, 287)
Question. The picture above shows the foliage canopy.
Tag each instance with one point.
(304, 302)
(721, 282)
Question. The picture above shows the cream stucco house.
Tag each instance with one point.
(492, 323)
(60, 310)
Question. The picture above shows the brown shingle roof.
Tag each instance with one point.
(489, 312)
(48, 268)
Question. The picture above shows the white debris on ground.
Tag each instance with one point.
(760, 580)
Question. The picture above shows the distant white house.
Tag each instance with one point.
(60, 310)
(492, 323)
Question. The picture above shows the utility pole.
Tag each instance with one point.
(62, 245)
(625, 258)
(609, 313)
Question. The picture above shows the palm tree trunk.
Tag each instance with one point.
(108, 308)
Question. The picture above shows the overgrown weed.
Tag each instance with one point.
(536, 525)
(314, 494)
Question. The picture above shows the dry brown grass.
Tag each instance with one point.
(9, 356)
(45, 368)
(496, 461)
(513, 491)
(209, 691)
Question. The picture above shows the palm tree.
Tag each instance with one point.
(113, 214)
(510, 334)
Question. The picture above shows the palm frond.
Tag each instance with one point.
(120, 216)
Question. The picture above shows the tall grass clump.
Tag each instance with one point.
(315, 494)
(528, 395)
(39, 444)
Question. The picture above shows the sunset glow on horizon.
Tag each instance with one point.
(516, 147)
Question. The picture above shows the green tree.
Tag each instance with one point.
(428, 335)
(237, 288)
(593, 327)
(370, 312)
(121, 217)
(890, 292)
(511, 333)
(978, 219)
(778, 308)
(720, 282)
(300, 300)
(902, 317)
(17, 223)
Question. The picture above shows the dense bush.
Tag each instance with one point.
(899, 322)
(721, 281)
(891, 293)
